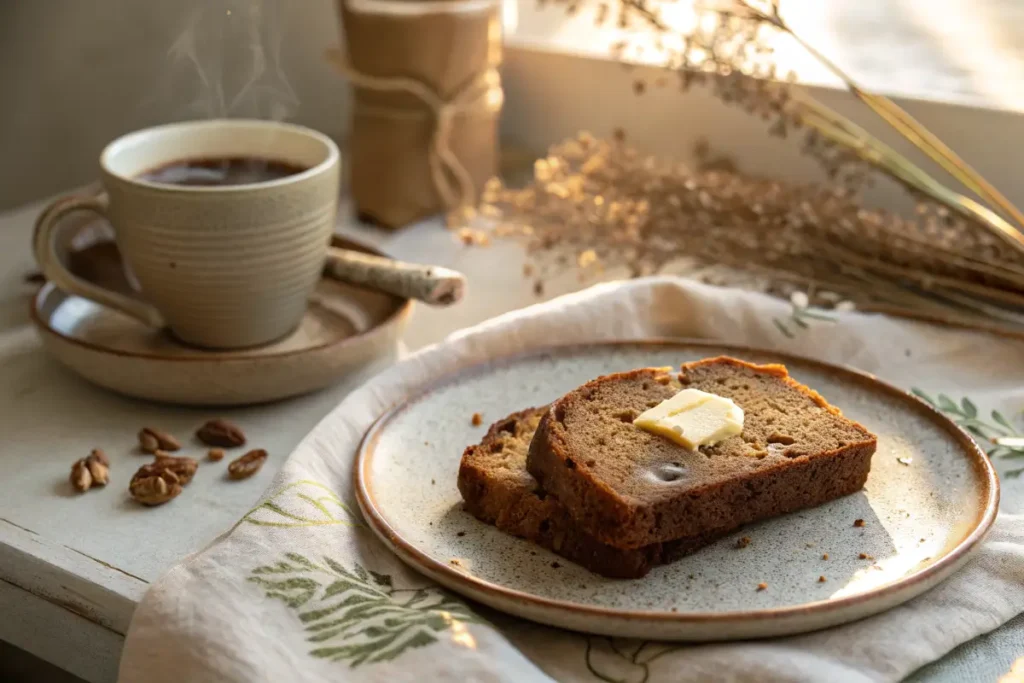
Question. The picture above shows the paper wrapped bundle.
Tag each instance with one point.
(427, 95)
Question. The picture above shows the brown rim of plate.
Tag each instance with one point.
(222, 356)
(980, 461)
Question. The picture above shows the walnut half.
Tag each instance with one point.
(221, 433)
(161, 480)
(182, 466)
(247, 465)
(151, 440)
(154, 487)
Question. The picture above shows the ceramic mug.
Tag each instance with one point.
(222, 266)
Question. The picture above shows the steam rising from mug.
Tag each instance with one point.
(229, 54)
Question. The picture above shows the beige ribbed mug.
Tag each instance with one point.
(222, 266)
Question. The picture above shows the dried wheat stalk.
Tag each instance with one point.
(597, 204)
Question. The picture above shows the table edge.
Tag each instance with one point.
(69, 578)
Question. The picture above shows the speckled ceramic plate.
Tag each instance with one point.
(931, 497)
(344, 329)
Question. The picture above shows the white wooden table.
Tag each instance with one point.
(73, 567)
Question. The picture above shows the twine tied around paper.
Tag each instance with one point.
(453, 182)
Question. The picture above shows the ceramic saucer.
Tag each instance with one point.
(344, 329)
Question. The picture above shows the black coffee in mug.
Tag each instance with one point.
(221, 171)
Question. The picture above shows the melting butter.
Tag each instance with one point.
(693, 418)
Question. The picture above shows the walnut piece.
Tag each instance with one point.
(247, 465)
(184, 468)
(151, 440)
(99, 472)
(99, 456)
(147, 442)
(221, 433)
(81, 479)
(151, 487)
(90, 471)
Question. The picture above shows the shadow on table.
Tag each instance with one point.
(18, 666)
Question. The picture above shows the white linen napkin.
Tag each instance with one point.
(247, 608)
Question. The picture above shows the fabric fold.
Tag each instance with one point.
(267, 601)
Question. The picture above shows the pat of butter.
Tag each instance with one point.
(693, 418)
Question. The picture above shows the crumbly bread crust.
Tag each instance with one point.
(629, 488)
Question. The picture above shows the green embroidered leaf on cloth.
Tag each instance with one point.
(303, 503)
(800, 317)
(357, 615)
(618, 660)
(965, 414)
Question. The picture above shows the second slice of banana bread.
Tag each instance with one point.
(629, 488)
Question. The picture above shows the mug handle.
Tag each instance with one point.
(44, 245)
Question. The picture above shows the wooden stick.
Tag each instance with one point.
(431, 284)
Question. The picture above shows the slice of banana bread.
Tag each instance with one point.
(630, 488)
(498, 490)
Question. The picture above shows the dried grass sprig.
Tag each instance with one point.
(595, 205)
(845, 132)
(909, 127)
(841, 130)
